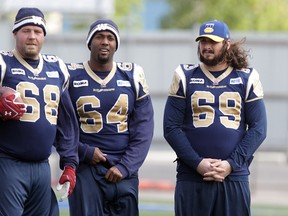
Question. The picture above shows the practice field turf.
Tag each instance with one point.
(165, 208)
(145, 210)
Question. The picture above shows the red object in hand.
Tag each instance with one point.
(68, 175)
(11, 104)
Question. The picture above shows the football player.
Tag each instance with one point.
(215, 120)
(30, 129)
(115, 116)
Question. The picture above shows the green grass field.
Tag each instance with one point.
(258, 210)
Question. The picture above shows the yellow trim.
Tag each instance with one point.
(212, 37)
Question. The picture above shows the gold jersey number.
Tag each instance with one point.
(92, 121)
(207, 112)
(51, 95)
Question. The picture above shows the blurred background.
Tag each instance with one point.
(159, 35)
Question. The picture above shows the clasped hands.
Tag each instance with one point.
(214, 169)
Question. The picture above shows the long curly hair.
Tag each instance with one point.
(236, 56)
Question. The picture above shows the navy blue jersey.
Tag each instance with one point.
(215, 117)
(115, 113)
(41, 88)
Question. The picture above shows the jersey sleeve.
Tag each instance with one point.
(254, 87)
(141, 127)
(255, 114)
(2, 68)
(85, 152)
(65, 72)
(178, 85)
(174, 113)
(67, 136)
(140, 82)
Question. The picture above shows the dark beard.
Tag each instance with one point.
(103, 60)
(217, 59)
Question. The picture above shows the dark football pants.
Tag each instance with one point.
(226, 198)
(25, 185)
(94, 196)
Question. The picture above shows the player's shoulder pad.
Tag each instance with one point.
(248, 73)
(6, 53)
(132, 70)
(75, 66)
(184, 69)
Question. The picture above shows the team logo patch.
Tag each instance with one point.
(37, 20)
(236, 81)
(80, 83)
(102, 27)
(52, 74)
(209, 28)
(125, 83)
(196, 81)
(17, 71)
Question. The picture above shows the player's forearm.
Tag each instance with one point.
(176, 138)
(141, 128)
(85, 152)
(254, 136)
(67, 133)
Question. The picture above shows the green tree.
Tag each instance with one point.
(128, 14)
(244, 15)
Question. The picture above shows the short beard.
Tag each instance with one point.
(216, 60)
(102, 60)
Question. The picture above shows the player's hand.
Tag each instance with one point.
(11, 110)
(113, 175)
(220, 170)
(98, 156)
(67, 181)
(205, 165)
